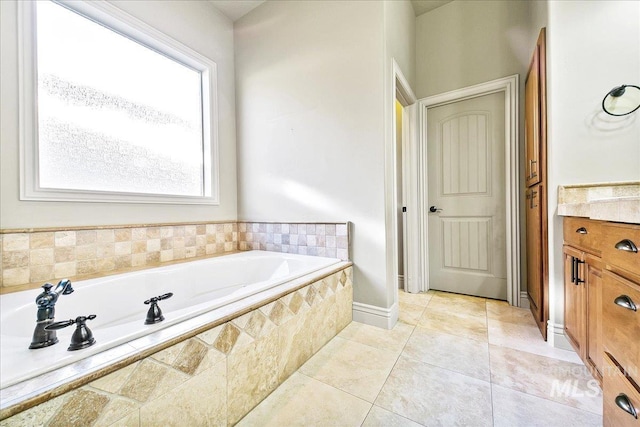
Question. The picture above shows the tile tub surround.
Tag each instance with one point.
(32, 257)
(619, 202)
(214, 377)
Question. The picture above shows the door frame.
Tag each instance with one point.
(509, 86)
(403, 93)
(400, 89)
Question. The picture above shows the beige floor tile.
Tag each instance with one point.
(459, 297)
(304, 401)
(392, 340)
(453, 323)
(563, 382)
(526, 337)
(502, 311)
(462, 355)
(352, 367)
(459, 304)
(421, 299)
(409, 313)
(379, 417)
(434, 396)
(512, 409)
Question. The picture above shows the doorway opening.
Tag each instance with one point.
(401, 191)
(400, 207)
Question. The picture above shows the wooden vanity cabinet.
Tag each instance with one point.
(583, 290)
(617, 389)
(593, 328)
(574, 299)
(602, 310)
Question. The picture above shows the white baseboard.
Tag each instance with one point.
(385, 318)
(524, 300)
(400, 281)
(555, 334)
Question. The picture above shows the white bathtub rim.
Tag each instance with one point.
(20, 364)
(26, 393)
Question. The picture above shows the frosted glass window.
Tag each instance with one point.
(114, 115)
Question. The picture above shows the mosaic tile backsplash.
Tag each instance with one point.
(30, 258)
(330, 240)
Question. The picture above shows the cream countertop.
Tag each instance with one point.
(618, 202)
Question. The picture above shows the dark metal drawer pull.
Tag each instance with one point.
(573, 270)
(624, 403)
(581, 230)
(627, 245)
(578, 279)
(625, 302)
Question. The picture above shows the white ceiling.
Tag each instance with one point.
(424, 6)
(236, 9)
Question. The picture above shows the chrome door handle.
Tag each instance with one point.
(624, 403)
(627, 246)
(434, 209)
(581, 230)
(625, 302)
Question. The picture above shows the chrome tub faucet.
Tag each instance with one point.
(46, 302)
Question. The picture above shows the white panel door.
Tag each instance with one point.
(467, 233)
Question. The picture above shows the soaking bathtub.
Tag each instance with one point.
(199, 287)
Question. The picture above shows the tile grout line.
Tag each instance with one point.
(413, 328)
(333, 387)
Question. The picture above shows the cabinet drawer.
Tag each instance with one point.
(621, 325)
(583, 233)
(617, 387)
(620, 242)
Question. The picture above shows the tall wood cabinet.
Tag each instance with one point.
(535, 180)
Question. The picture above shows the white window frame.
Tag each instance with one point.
(111, 17)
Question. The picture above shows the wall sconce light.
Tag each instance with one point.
(622, 100)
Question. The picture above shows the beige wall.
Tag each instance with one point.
(468, 42)
(592, 46)
(309, 79)
(196, 24)
(400, 36)
(313, 120)
(399, 46)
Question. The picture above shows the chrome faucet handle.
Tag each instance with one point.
(82, 337)
(154, 314)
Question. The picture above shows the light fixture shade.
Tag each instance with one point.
(622, 100)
